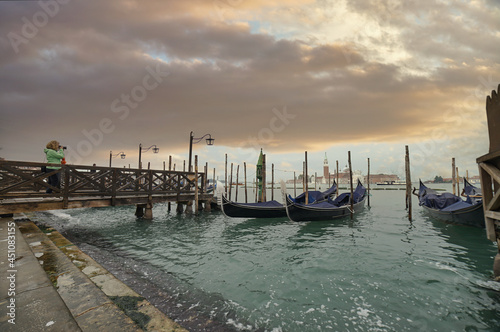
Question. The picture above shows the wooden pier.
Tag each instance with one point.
(23, 188)
(489, 171)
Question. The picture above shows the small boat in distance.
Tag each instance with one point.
(391, 183)
(327, 209)
(452, 208)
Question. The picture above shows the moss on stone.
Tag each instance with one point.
(129, 304)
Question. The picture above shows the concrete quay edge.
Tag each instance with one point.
(90, 297)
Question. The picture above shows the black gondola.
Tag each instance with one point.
(328, 209)
(270, 209)
(452, 208)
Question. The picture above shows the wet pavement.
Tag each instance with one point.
(48, 284)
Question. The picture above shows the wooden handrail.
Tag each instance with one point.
(25, 179)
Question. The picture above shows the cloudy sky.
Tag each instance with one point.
(289, 76)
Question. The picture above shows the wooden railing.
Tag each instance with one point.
(25, 179)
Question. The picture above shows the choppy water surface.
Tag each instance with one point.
(377, 273)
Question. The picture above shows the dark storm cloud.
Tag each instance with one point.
(116, 73)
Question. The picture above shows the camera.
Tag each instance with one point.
(63, 147)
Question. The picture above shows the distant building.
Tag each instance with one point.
(343, 176)
(382, 178)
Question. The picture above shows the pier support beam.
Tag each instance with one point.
(208, 206)
(189, 208)
(180, 208)
(148, 214)
(139, 210)
(144, 211)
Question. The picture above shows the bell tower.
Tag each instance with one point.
(326, 169)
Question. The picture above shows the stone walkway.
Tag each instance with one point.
(48, 284)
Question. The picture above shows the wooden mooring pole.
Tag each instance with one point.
(453, 181)
(408, 183)
(237, 180)
(231, 181)
(169, 207)
(245, 173)
(306, 180)
(351, 199)
(264, 179)
(196, 198)
(294, 184)
(225, 176)
(338, 184)
(272, 182)
(368, 180)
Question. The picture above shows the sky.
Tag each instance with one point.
(327, 77)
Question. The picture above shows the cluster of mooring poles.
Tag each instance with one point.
(145, 210)
(261, 182)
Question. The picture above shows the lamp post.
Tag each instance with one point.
(155, 150)
(193, 140)
(111, 156)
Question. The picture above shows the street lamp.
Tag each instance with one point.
(121, 154)
(192, 140)
(155, 150)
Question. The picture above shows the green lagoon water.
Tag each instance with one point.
(378, 272)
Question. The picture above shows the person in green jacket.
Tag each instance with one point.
(55, 154)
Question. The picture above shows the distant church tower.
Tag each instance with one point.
(326, 169)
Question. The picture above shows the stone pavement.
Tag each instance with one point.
(48, 284)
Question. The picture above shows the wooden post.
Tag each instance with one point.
(294, 185)
(205, 182)
(237, 179)
(315, 180)
(231, 181)
(264, 179)
(148, 213)
(272, 182)
(164, 165)
(245, 173)
(65, 190)
(351, 199)
(139, 210)
(196, 201)
(408, 183)
(368, 180)
(458, 183)
(338, 184)
(189, 208)
(453, 175)
(256, 190)
(306, 179)
(225, 176)
(184, 166)
(169, 207)
(180, 208)
(329, 180)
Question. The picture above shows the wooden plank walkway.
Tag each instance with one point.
(23, 187)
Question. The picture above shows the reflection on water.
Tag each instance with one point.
(377, 272)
